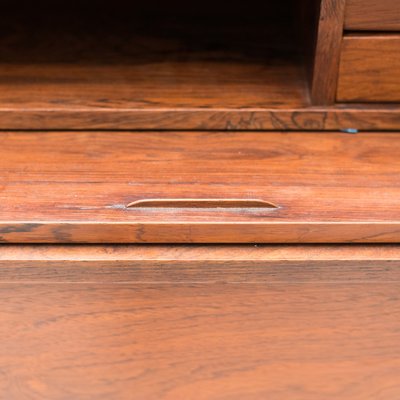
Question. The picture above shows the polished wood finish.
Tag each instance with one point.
(336, 118)
(382, 15)
(293, 322)
(327, 51)
(200, 341)
(170, 71)
(156, 264)
(64, 187)
(370, 68)
(178, 67)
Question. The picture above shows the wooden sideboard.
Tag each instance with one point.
(200, 200)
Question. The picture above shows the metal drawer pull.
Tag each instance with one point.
(201, 203)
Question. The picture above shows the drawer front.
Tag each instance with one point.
(370, 69)
(199, 187)
(383, 15)
(257, 322)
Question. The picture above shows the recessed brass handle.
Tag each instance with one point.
(201, 203)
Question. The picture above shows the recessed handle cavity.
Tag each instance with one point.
(201, 203)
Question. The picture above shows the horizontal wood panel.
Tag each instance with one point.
(383, 15)
(341, 117)
(16, 253)
(370, 69)
(65, 188)
(150, 264)
(207, 341)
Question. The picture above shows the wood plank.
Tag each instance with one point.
(11, 253)
(370, 68)
(383, 15)
(327, 51)
(189, 264)
(75, 187)
(298, 341)
(342, 117)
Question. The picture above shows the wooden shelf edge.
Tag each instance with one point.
(307, 118)
(189, 253)
(161, 232)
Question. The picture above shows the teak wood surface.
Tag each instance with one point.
(293, 322)
(312, 187)
(180, 67)
(184, 264)
(276, 322)
(327, 50)
(297, 342)
(372, 15)
(370, 68)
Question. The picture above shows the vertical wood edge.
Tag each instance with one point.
(327, 52)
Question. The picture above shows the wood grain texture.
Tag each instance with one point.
(190, 254)
(105, 63)
(66, 188)
(370, 68)
(204, 341)
(188, 264)
(327, 51)
(178, 67)
(383, 15)
(358, 116)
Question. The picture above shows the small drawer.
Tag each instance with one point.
(383, 15)
(370, 69)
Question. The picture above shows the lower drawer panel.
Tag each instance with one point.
(370, 69)
(200, 322)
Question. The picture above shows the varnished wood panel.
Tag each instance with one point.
(65, 188)
(155, 264)
(341, 117)
(370, 68)
(383, 15)
(178, 67)
(327, 51)
(205, 341)
(191, 254)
